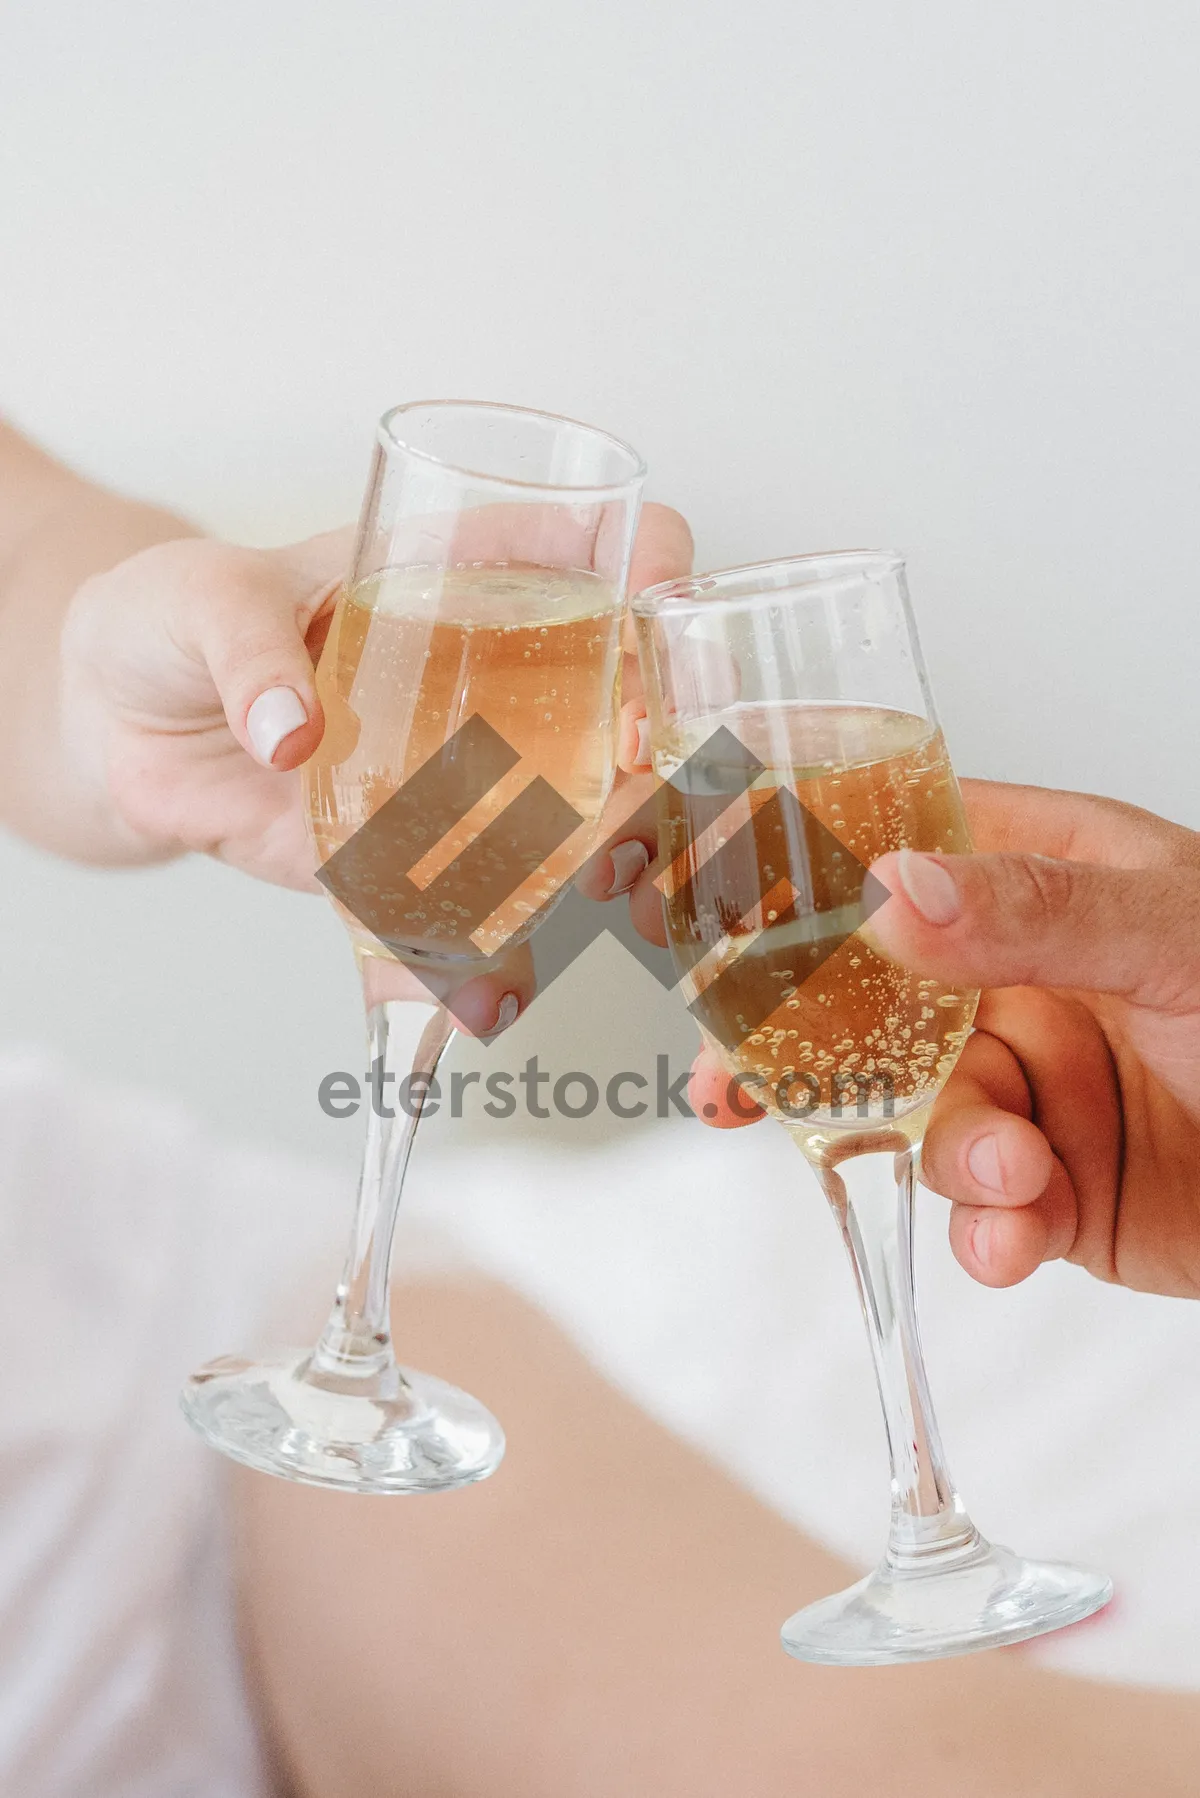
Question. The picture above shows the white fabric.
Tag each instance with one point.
(129, 1251)
(704, 1274)
(701, 1272)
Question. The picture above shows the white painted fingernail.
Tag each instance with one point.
(628, 860)
(642, 759)
(274, 715)
(506, 1014)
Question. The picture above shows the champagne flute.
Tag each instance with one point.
(792, 726)
(469, 683)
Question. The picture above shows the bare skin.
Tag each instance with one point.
(132, 651)
(1071, 1126)
(601, 1619)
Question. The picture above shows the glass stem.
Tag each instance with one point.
(405, 1038)
(874, 1207)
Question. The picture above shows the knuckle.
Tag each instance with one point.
(1036, 890)
(253, 661)
(1153, 841)
(1183, 847)
(679, 524)
(198, 567)
(83, 624)
(1173, 983)
(674, 544)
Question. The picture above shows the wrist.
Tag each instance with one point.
(62, 800)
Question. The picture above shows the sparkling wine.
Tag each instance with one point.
(843, 1034)
(412, 655)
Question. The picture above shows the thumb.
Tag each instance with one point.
(1027, 920)
(256, 623)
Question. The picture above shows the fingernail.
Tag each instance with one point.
(983, 1232)
(981, 1239)
(628, 860)
(643, 743)
(983, 1163)
(930, 887)
(274, 715)
(506, 1014)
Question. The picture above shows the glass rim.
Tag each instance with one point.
(763, 582)
(390, 439)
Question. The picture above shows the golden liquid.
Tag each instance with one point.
(411, 655)
(872, 1035)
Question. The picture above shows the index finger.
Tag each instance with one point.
(1073, 827)
(662, 551)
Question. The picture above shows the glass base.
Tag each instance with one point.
(987, 1599)
(390, 1432)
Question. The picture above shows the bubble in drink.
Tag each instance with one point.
(413, 654)
(856, 1039)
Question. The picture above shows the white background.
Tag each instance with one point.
(848, 274)
(920, 275)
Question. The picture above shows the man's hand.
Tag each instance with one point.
(1071, 1126)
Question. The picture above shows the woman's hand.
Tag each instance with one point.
(188, 700)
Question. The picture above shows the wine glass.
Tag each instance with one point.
(792, 726)
(469, 683)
